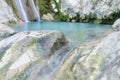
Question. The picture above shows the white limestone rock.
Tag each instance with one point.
(5, 31)
(6, 13)
(47, 17)
(96, 61)
(100, 8)
(22, 50)
(116, 25)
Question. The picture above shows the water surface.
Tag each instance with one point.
(76, 32)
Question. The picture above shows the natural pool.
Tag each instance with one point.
(76, 32)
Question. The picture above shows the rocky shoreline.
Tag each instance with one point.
(22, 55)
(47, 55)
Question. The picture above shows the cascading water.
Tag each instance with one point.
(27, 10)
(35, 11)
(21, 10)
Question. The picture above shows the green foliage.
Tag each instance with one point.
(111, 18)
(76, 18)
(64, 17)
(45, 7)
(92, 18)
(57, 5)
(87, 18)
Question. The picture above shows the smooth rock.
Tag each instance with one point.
(24, 49)
(96, 62)
(6, 13)
(116, 25)
(47, 17)
(5, 31)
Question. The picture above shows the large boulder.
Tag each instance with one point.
(22, 50)
(116, 25)
(47, 17)
(93, 62)
(5, 31)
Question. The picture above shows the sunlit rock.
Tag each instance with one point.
(116, 25)
(24, 49)
(47, 17)
(97, 62)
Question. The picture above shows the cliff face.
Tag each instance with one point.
(6, 13)
(101, 8)
(96, 10)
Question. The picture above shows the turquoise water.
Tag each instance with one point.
(76, 32)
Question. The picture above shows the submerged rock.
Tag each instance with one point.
(24, 49)
(5, 31)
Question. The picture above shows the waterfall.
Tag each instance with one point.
(27, 10)
(21, 10)
(35, 11)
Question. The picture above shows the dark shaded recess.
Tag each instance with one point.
(35, 20)
(58, 44)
